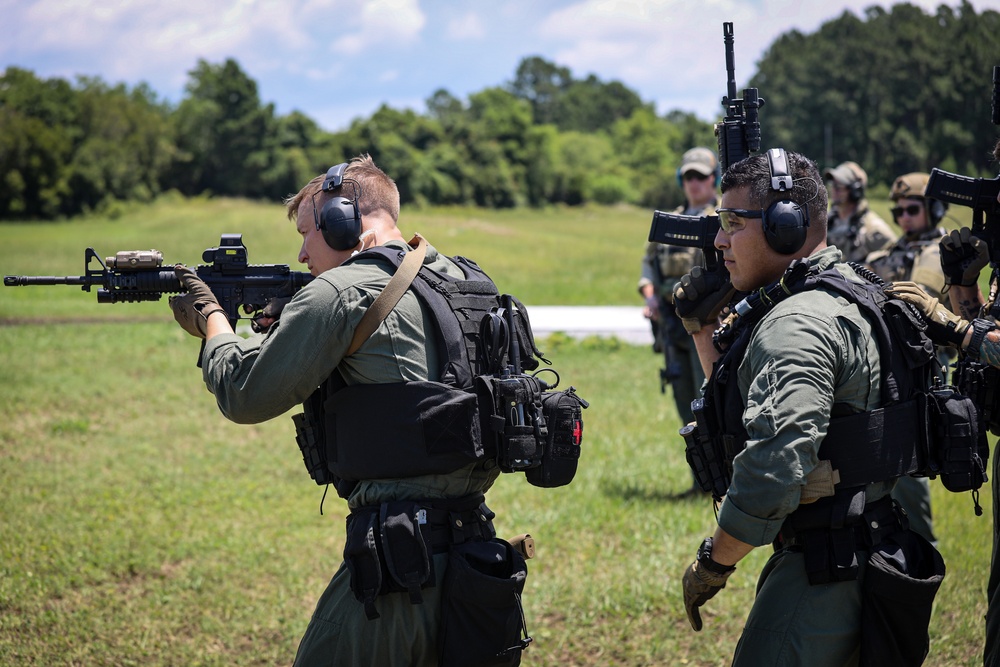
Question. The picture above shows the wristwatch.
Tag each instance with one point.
(980, 328)
(704, 558)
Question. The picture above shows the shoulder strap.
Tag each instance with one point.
(390, 296)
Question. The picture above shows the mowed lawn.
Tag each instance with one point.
(139, 527)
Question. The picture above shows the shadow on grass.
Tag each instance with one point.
(632, 491)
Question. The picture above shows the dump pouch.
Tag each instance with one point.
(563, 412)
(482, 620)
(431, 429)
(898, 587)
(362, 559)
(958, 446)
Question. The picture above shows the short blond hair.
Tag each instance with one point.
(375, 191)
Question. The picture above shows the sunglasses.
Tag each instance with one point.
(728, 217)
(912, 210)
(695, 176)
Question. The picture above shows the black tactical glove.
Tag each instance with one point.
(701, 295)
(191, 309)
(963, 256)
(268, 317)
(702, 580)
(943, 326)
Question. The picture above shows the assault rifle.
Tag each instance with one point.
(979, 194)
(139, 275)
(739, 137)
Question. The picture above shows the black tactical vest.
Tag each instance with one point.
(432, 427)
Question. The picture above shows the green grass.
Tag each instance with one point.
(138, 526)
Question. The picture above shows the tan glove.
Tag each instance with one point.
(191, 309)
(701, 295)
(943, 326)
(963, 256)
(701, 583)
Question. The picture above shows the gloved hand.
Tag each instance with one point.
(266, 318)
(963, 256)
(700, 586)
(701, 295)
(191, 309)
(943, 326)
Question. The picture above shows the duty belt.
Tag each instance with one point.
(390, 547)
(830, 550)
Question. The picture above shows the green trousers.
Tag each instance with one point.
(991, 654)
(793, 623)
(405, 634)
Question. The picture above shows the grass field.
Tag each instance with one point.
(139, 527)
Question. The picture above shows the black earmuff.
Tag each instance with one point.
(339, 219)
(785, 223)
(856, 191)
(935, 211)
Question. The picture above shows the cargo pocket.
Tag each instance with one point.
(482, 620)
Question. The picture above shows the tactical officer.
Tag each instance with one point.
(384, 606)
(976, 334)
(792, 369)
(662, 266)
(853, 227)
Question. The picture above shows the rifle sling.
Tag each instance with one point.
(391, 295)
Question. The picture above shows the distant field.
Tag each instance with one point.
(139, 527)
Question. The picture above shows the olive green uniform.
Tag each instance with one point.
(790, 391)
(263, 376)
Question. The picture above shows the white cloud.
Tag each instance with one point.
(380, 22)
(467, 26)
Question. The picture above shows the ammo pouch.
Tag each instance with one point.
(311, 438)
(390, 547)
(710, 463)
(981, 382)
(563, 412)
(482, 620)
(900, 581)
(958, 449)
(512, 421)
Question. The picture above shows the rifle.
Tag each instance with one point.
(739, 136)
(138, 275)
(979, 194)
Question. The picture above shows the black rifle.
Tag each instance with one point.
(979, 194)
(139, 275)
(739, 137)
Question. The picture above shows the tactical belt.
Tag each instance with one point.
(390, 547)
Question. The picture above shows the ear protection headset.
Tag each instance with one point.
(935, 210)
(339, 219)
(784, 222)
(856, 190)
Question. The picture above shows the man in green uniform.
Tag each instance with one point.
(963, 256)
(852, 226)
(796, 360)
(262, 376)
(662, 266)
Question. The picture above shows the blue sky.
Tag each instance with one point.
(336, 60)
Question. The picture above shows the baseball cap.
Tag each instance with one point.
(846, 173)
(701, 160)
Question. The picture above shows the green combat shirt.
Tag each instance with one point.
(813, 350)
(263, 376)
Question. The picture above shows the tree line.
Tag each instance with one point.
(896, 90)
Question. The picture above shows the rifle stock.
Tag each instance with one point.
(689, 231)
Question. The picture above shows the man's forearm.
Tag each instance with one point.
(727, 550)
(217, 324)
(966, 300)
(707, 354)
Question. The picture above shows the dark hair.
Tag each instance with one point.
(807, 190)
